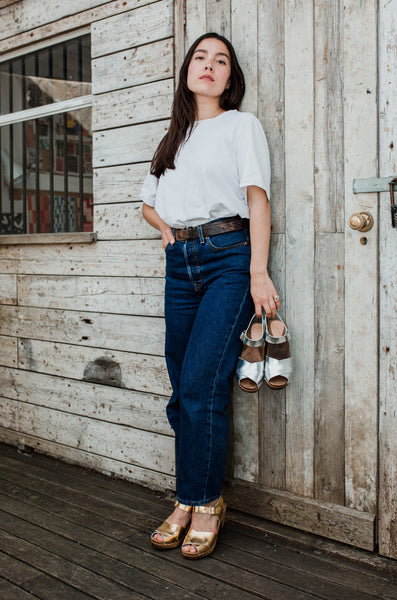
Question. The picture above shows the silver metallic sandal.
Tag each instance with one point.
(172, 534)
(250, 368)
(278, 361)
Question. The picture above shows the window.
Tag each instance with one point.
(46, 140)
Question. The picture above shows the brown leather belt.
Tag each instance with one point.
(214, 228)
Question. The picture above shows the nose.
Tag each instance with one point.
(210, 67)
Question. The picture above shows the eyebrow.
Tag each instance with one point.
(217, 54)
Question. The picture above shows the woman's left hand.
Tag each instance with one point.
(264, 295)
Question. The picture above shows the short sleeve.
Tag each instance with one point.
(253, 159)
(149, 190)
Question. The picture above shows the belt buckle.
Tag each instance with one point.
(191, 232)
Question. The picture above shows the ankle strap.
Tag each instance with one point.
(184, 507)
(210, 510)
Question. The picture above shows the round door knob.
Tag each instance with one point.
(361, 221)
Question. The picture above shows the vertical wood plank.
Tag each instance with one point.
(361, 365)
(219, 17)
(246, 406)
(271, 99)
(328, 143)
(329, 381)
(245, 42)
(179, 37)
(245, 434)
(196, 20)
(388, 284)
(299, 112)
(272, 402)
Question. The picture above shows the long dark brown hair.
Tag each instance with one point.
(184, 106)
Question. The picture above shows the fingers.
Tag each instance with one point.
(264, 295)
(270, 306)
(167, 237)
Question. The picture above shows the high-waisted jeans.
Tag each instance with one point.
(207, 305)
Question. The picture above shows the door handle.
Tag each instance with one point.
(361, 221)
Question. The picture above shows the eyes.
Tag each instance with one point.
(220, 61)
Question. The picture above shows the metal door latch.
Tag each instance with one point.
(379, 184)
(393, 205)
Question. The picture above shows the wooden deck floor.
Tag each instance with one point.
(71, 534)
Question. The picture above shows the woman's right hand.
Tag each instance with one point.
(150, 215)
(167, 236)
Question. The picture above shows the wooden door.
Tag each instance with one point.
(308, 457)
(388, 283)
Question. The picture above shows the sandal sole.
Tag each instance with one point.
(166, 546)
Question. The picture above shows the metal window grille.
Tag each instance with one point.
(46, 140)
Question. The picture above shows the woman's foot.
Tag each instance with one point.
(170, 534)
(178, 517)
(202, 522)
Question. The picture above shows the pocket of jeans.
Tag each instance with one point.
(228, 241)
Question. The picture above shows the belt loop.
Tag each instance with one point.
(200, 232)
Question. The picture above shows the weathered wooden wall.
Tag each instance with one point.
(298, 60)
(82, 371)
(388, 284)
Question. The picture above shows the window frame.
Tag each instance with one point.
(60, 107)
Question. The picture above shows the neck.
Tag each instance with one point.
(207, 108)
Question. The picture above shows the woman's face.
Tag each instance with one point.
(209, 69)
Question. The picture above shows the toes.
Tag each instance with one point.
(159, 538)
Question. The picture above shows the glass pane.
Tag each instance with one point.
(56, 73)
(11, 201)
(48, 187)
(46, 163)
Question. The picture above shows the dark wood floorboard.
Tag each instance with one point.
(70, 533)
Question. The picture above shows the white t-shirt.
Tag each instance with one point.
(213, 168)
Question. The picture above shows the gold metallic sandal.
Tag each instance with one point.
(172, 533)
(205, 541)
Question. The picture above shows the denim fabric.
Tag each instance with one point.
(207, 305)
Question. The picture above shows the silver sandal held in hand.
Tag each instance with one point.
(250, 367)
(278, 361)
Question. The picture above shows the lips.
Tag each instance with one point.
(207, 77)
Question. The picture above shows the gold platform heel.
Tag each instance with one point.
(205, 541)
(172, 533)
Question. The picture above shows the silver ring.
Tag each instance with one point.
(276, 297)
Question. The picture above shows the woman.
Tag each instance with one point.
(207, 193)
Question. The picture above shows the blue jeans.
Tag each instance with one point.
(207, 305)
